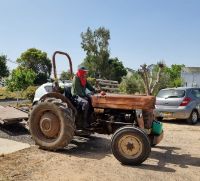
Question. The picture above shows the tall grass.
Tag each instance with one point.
(5, 94)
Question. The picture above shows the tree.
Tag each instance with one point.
(151, 75)
(65, 75)
(37, 61)
(4, 72)
(132, 84)
(163, 82)
(116, 70)
(100, 65)
(95, 44)
(20, 79)
(174, 73)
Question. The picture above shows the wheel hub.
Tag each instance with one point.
(129, 146)
(49, 125)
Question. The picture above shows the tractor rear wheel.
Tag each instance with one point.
(51, 124)
(130, 145)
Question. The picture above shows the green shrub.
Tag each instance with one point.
(29, 93)
(92, 81)
(6, 94)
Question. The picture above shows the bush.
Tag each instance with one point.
(132, 85)
(29, 93)
(6, 94)
(92, 81)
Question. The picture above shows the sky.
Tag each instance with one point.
(142, 31)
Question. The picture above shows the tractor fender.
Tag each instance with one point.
(59, 96)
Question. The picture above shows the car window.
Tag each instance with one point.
(196, 93)
(171, 93)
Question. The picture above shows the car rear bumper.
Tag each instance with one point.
(180, 113)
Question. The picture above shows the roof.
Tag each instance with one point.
(191, 69)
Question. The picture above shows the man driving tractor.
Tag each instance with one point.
(79, 85)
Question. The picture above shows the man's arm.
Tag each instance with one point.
(88, 86)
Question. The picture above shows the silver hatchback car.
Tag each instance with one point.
(178, 103)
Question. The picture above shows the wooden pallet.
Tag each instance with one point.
(108, 85)
(11, 115)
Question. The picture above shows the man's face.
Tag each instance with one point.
(86, 73)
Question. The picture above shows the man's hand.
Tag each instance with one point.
(92, 92)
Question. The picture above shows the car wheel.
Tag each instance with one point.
(193, 119)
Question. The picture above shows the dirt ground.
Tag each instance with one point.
(177, 157)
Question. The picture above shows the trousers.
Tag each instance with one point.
(84, 103)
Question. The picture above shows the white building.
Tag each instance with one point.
(191, 76)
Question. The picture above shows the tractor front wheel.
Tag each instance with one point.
(130, 145)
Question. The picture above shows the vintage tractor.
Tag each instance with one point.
(56, 118)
